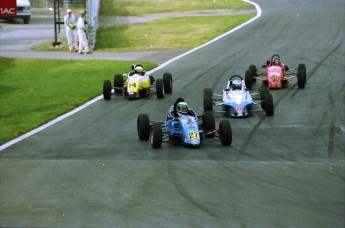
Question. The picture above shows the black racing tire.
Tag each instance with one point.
(225, 133)
(159, 89)
(301, 76)
(143, 127)
(302, 66)
(131, 97)
(118, 82)
(208, 103)
(209, 123)
(156, 135)
(263, 91)
(269, 108)
(208, 92)
(167, 82)
(248, 79)
(107, 90)
(253, 70)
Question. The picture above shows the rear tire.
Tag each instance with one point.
(225, 133)
(156, 136)
(143, 127)
(159, 89)
(301, 76)
(269, 109)
(118, 82)
(209, 123)
(167, 82)
(106, 90)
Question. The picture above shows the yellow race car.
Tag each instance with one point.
(136, 84)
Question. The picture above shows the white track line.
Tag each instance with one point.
(41, 128)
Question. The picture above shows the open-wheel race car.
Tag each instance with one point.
(275, 74)
(237, 101)
(190, 130)
(137, 84)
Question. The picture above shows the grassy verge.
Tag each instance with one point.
(33, 92)
(172, 33)
(161, 34)
(138, 7)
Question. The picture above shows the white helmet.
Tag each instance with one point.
(237, 85)
(138, 69)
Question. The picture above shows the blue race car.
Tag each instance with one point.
(190, 130)
(236, 100)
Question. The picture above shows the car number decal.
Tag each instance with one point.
(132, 85)
(192, 135)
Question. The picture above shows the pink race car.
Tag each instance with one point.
(275, 74)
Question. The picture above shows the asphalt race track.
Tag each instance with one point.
(90, 170)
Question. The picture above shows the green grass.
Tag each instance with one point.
(138, 7)
(172, 33)
(33, 92)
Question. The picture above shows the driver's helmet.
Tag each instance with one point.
(182, 108)
(138, 69)
(276, 61)
(236, 85)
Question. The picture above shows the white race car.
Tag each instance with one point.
(236, 100)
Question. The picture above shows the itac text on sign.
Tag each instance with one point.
(8, 7)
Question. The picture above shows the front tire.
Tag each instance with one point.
(118, 82)
(106, 90)
(143, 127)
(159, 89)
(301, 76)
(263, 91)
(208, 103)
(208, 92)
(167, 82)
(209, 123)
(225, 133)
(156, 136)
(253, 70)
(248, 79)
(269, 109)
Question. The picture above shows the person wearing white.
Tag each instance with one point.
(71, 30)
(83, 44)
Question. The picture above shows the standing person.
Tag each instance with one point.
(83, 44)
(71, 31)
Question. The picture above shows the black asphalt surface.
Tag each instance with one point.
(90, 170)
